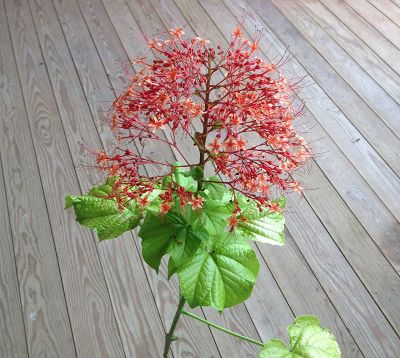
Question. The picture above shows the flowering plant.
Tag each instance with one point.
(237, 110)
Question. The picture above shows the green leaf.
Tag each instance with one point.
(212, 217)
(184, 179)
(219, 276)
(275, 348)
(215, 190)
(185, 243)
(156, 233)
(171, 268)
(169, 234)
(264, 226)
(103, 215)
(307, 340)
(196, 173)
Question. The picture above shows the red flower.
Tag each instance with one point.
(196, 202)
(245, 116)
(164, 208)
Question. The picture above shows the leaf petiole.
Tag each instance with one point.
(234, 334)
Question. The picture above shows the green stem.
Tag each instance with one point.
(234, 334)
(169, 337)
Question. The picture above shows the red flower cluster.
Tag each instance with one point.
(235, 107)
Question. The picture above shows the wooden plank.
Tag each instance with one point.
(333, 59)
(357, 194)
(304, 293)
(332, 209)
(390, 9)
(45, 314)
(12, 331)
(92, 319)
(374, 170)
(378, 20)
(138, 320)
(339, 257)
(383, 47)
(358, 310)
(370, 61)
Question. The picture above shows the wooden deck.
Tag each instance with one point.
(64, 295)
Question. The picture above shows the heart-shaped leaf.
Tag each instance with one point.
(220, 276)
(307, 340)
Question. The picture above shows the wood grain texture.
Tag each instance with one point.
(137, 320)
(92, 319)
(383, 47)
(332, 210)
(389, 8)
(342, 258)
(362, 155)
(299, 223)
(377, 69)
(360, 198)
(358, 310)
(378, 20)
(324, 55)
(12, 330)
(45, 314)
(348, 230)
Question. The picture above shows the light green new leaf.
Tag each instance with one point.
(264, 226)
(103, 215)
(184, 179)
(221, 276)
(307, 340)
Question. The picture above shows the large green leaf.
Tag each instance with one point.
(307, 340)
(264, 226)
(221, 275)
(103, 215)
(169, 234)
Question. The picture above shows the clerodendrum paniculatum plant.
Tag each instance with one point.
(237, 110)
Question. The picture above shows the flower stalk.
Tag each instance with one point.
(225, 330)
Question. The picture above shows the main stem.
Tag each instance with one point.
(169, 337)
(203, 135)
